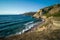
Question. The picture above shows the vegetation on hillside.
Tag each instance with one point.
(54, 15)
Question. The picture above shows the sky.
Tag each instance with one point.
(22, 6)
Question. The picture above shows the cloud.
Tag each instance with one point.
(8, 12)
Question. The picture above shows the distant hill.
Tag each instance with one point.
(29, 13)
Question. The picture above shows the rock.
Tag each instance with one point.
(38, 14)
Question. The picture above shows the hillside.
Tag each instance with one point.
(48, 11)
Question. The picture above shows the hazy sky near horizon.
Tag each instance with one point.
(22, 6)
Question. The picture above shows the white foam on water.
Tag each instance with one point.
(29, 25)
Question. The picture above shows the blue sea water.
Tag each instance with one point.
(14, 24)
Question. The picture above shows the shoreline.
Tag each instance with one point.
(35, 27)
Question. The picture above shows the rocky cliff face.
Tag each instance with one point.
(52, 23)
(38, 14)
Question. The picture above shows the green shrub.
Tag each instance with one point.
(54, 15)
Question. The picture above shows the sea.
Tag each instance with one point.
(16, 24)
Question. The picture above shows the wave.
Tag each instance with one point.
(3, 26)
(29, 25)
